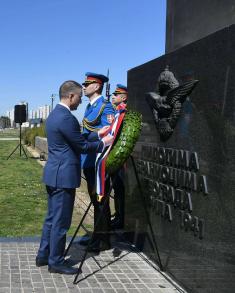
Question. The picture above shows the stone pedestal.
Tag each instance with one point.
(194, 227)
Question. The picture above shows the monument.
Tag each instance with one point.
(185, 161)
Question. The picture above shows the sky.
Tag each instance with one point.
(44, 43)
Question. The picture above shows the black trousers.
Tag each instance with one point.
(103, 228)
(119, 194)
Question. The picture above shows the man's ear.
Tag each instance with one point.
(70, 96)
(97, 86)
(124, 98)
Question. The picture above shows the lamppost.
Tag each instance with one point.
(52, 100)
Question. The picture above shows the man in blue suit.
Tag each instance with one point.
(99, 112)
(62, 174)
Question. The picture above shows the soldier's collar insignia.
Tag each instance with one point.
(110, 118)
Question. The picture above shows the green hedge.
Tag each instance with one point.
(29, 134)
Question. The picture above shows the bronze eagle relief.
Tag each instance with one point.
(166, 103)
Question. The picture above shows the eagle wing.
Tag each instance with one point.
(181, 92)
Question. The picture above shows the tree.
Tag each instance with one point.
(5, 122)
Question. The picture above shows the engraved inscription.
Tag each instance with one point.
(169, 177)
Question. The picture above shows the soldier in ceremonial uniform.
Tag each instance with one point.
(99, 112)
(119, 100)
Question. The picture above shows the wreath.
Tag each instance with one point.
(124, 142)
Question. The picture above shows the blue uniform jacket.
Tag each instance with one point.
(65, 145)
(91, 113)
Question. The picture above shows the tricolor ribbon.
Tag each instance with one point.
(101, 157)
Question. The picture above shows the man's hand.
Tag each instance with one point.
(107, 140)
(103, 131)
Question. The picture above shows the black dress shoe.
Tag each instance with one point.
(116, 224)
(41, 261)
(84, 240)
(98, 246)
(63, 269)
(69, 262)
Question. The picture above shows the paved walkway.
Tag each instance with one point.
(9, 138)
(117, 270)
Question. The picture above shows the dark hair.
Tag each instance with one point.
(68, 87)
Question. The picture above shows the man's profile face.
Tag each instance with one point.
(90, 88)
(118, 99)
(76, 99)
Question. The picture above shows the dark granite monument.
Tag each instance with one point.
(187, 178)
(189, 21)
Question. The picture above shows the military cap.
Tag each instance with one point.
(95, 77)
(120, 89)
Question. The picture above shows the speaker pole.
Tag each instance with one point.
(20, 139)
(20, 146)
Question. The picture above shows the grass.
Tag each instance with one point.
(23, 200)
(22, 195)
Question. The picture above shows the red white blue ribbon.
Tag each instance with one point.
(101, 157)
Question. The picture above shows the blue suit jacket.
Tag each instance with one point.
(91, 113)
(65, 144)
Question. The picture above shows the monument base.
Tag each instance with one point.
(188, 181)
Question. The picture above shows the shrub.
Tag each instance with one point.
(29, 134)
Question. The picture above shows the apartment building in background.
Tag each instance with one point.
(34, 117)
